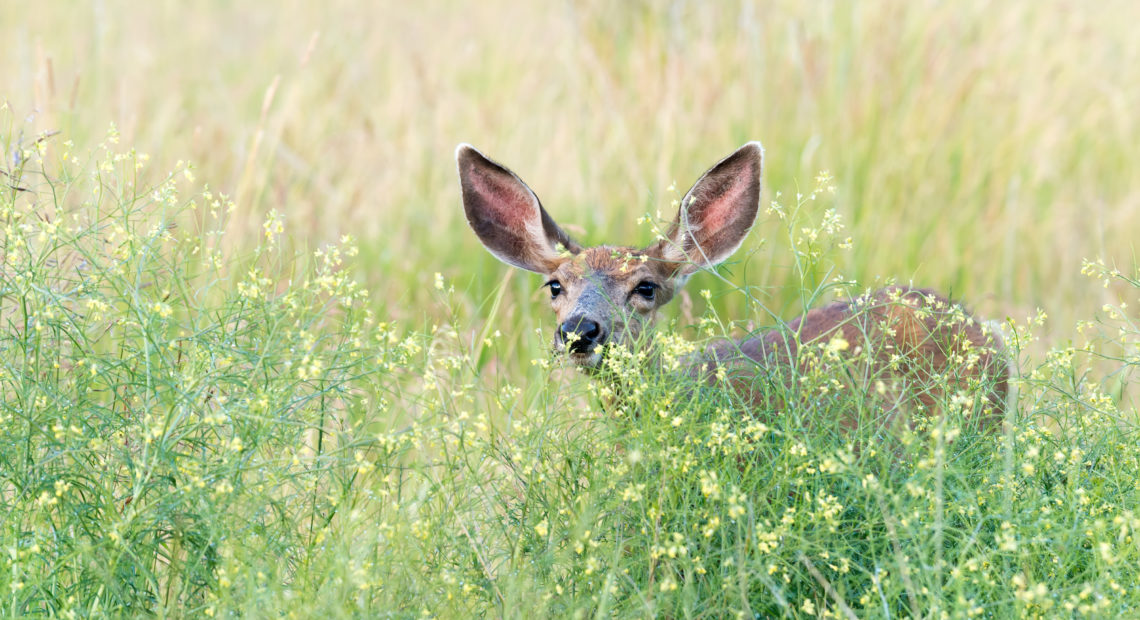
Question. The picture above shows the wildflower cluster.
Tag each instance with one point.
(153, 408)
(198, 427)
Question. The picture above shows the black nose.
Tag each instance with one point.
(581, 334)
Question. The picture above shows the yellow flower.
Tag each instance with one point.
(837, 344)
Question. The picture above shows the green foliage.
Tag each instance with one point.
(175, 418)
(193, 430)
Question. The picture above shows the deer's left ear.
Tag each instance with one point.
(716, 214)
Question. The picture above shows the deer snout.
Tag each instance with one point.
(581, 334)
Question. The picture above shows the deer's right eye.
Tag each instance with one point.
(555, 288)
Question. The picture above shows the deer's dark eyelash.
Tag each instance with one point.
(646, 289)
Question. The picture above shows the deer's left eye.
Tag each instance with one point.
(647, 290)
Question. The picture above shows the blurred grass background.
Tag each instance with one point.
(979, 148)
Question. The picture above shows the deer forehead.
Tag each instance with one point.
(607, 266)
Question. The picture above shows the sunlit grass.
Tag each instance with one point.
(257, 397)
(191, 432)
(980, 149)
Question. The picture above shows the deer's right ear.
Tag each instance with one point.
(507, 217)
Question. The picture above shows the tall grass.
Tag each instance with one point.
(217, 403)
(191, 432)
(982, 149)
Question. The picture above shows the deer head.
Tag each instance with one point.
(609, 294)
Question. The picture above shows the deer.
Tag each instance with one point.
(914, 344)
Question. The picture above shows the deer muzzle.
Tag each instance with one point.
(581, 335)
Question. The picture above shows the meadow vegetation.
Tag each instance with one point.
(252, 362)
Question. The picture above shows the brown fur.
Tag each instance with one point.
(902, 347)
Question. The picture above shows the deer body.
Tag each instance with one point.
(903, 347)
(902, 337)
